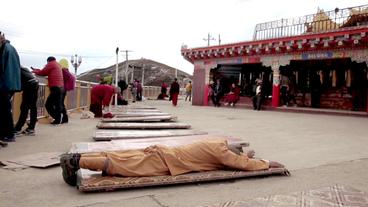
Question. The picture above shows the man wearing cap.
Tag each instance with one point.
(257, 98)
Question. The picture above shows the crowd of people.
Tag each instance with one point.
(15, 78)
(218, 92)
(174, 92)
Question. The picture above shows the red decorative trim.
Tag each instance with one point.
(242, 49)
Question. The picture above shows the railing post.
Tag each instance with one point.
(78, 86)
(89, 94)
(47, 92)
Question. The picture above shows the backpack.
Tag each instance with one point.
(69, 80)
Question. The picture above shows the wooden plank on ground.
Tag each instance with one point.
(93, 181)
(136, 110)
(126, 144)
(140, 119)
(140, 107)
(139, 114)
(140, 125)
(121, 108)
(38, 160)
(105, 135)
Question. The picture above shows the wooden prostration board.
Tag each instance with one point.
(134, 106)
(126, 144)
(93, 181)
(135, 110)
(140, 125)
(105, 135)
(140, 119)
(140, 114)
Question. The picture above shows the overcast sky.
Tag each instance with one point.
(152, 29)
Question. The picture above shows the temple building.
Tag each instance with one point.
(323, 57)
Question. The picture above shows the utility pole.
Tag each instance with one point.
(116, 74)
(132, 79)
(209, 38)
(142, 74)
(126, 64)
(219, 39)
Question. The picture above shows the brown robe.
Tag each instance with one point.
(161, 160)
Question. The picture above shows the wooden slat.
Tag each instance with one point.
(93, 181)
(104, 135)
(122, 111)
(140, 114)
(136, 110)
(140, 125)
(39, 160)
(121, 108)
(140, 119)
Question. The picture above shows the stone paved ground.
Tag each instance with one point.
(319, 150)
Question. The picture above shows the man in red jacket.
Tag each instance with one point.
(100, 98)
(54, 74)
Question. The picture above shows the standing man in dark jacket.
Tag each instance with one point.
(174, 92)
(29, 102)
(9, 83)
(217, 93)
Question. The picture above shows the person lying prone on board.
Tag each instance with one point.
(158, 160)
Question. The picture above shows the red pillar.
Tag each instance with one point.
(276, 85)
(205, 96)
(199, 85)
(275, 95)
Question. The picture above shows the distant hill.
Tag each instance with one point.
(154, 72)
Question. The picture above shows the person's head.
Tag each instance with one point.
(2, 38)
(233, 85)
(175, 79)
(98, 77)
(190, 81)
(218, 81)
(51, 58)
(64, 64)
